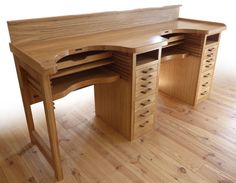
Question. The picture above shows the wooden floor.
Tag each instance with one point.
(188, 145)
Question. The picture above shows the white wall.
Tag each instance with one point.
(10, 100)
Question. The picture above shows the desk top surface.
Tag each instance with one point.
(134, 40)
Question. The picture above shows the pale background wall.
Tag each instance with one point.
(10, 100)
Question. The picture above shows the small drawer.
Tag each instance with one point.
(207, 75)
(210, 52)
(146, 70)
(146, 77)
(203, 92)
(145, 102)
(143, 126)
(145, 84)
(144, 113)
(145, 91)
(208, 61)
(208, 67)
(205, 84)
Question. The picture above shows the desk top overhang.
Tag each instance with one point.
(42, 42)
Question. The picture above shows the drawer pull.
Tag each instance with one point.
(211, 49)
(203, 93)
(146, 78)
(207, 75)
(143, 124)
(144, 114)
(205, 84)
(146, 71)
(209, 55)
(209, 60)
(145, 91)
(146, 84)
(209, 65)
(146, 102)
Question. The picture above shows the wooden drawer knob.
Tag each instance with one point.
(147, 70)
(143, 124)
(211, 49)
(146, 91)
(146, 102)
(209, 60)
(209, 65)
(203, 93)
(205, 84)
(144, 114)
(207, 75)
(146, 84)
(146, 78)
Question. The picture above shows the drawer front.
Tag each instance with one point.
(144, 126)
(203, 93)
(207, 75)
(146, 77)
(150, 68)
(209, 61)
(145, 102)
(144, 113)
(210, 52)
(208, 66)
(145, 84)
(144, 92)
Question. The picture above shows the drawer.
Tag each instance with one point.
(210, 52)
(203, 92)
(144, 126)
(150, 68)
(145, 84)
(208, 61)
(145, 102)
(144, 113)
(208, 66)
(146, 77)
(207, 75)
(146, 91)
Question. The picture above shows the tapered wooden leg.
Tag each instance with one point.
(51, 124)
(26, 100)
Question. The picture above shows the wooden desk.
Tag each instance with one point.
(128, 56)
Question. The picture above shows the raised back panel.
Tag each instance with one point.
(76, 25)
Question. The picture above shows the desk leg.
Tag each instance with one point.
(26, 100)
(51, 124)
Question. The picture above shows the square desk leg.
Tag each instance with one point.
(52, 154)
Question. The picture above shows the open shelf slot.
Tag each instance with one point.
(212, 39)
(147, 57)
(83, 67)
(174, 39)
(66, 84)
(82, 58)
(172, 53)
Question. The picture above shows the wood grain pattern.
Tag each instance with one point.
(78, 25)
(188, 145)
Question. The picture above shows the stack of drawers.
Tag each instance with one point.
(145, 97)
(207, 70)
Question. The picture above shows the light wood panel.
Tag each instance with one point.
(77, 25)
(179, 77)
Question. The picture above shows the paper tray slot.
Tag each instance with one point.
(82, 58)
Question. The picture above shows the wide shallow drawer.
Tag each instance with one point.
(143, 126)
(145, 102)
